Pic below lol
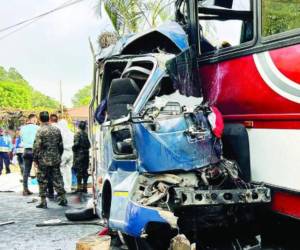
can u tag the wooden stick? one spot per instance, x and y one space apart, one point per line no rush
6 223
70 223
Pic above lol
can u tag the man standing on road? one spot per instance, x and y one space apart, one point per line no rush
19 150
5 149
27 134
80 149
67 157
47 152
50 189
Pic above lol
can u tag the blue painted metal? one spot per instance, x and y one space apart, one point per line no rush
137 217
126 215
110 162
121 181
175 33
172 148
171 30
167 149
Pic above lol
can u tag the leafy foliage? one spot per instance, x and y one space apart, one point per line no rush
14 95
123 14
132 15
83 96
15 92
280 16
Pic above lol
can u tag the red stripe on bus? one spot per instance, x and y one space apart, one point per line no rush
267 121
287 204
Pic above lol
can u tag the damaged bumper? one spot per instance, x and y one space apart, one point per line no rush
191 197
162 198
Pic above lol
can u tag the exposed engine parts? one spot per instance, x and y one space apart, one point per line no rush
212 185
186 197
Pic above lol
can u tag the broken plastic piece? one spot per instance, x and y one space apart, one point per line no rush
216 122
103 232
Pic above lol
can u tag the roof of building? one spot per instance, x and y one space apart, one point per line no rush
80 113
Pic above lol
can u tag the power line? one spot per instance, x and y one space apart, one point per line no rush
65 4
29 21
16 30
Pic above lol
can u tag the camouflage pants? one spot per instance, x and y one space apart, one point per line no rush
81 165
46 172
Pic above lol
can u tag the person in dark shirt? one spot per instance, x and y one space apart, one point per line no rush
80 149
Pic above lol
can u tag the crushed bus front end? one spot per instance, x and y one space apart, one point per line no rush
160 157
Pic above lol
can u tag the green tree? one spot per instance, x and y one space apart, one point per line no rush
130 15
40 100
82 97
123 14
14 95
15 92
280 16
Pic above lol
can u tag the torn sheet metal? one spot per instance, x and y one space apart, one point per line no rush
170 32
176 160
175 143
137 218
169 217
218 184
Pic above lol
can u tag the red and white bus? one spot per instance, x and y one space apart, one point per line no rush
248 57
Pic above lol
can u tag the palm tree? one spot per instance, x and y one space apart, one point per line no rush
133 15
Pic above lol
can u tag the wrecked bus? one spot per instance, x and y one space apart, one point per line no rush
157 149
252 75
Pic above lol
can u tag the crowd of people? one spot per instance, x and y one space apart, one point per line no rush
52 150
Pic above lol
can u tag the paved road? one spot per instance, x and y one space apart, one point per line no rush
24 235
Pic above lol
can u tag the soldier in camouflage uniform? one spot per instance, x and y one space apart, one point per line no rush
47 151
80 149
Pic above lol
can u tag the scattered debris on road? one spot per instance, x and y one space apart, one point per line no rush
92 242
6 223
58 222
180 242
33 200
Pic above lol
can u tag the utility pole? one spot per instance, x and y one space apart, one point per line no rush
60 98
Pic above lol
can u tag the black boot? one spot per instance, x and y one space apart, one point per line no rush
62 201
79 185
27 192
84 187
50 196
43 203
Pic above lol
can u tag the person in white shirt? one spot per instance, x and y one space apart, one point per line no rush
28 133
67 157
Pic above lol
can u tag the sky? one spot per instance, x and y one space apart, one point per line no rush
55 48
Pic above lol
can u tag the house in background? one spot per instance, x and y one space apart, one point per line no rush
78 114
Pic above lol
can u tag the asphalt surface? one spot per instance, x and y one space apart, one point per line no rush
24 235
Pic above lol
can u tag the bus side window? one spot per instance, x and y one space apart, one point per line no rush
279 16
222 27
